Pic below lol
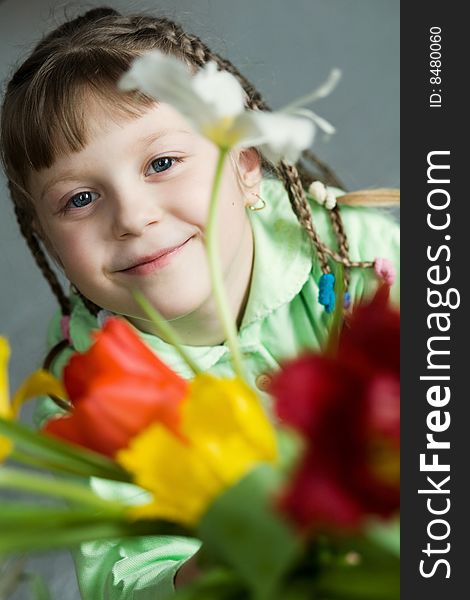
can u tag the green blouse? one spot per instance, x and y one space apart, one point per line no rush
282 318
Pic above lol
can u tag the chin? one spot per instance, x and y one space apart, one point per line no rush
176 307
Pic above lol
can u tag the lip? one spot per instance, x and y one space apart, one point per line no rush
149 264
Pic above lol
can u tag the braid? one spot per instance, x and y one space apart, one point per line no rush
190 45
338 228
41 260
91 306
199 53
326 175
290 177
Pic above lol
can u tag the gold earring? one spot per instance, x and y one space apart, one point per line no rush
254 207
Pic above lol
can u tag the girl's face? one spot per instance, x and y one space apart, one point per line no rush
140 187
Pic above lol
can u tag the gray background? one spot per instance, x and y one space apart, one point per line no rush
285 49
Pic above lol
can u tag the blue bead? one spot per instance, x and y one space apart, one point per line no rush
347 300
326 295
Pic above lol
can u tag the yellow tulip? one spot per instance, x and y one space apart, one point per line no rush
224 435
5 409
40 382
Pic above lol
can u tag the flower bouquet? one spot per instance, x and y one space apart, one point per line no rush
293 513
302 508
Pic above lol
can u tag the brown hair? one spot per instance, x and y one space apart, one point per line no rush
43 115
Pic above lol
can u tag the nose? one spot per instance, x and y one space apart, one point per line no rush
134 210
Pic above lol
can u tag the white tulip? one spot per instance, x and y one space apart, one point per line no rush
213 103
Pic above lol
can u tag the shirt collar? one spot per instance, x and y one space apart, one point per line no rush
282 264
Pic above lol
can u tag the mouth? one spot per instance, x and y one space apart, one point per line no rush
148 264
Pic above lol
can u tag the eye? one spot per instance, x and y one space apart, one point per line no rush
162 164
81 199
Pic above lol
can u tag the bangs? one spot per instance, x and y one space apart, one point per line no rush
51 110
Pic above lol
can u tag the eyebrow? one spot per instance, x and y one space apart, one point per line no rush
141 142
153 137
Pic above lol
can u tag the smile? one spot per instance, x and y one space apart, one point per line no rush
156 264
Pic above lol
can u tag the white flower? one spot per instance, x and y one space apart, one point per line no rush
283 136
213 103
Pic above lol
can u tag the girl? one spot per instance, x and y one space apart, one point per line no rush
107 182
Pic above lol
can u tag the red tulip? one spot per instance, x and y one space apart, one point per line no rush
347 408
117 388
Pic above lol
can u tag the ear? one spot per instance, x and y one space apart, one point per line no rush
248 166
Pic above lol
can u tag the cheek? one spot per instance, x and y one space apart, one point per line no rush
50 238
191 193
232 211
189 200
233 222
72 247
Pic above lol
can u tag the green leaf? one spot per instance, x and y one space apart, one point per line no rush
68 530
291 446
27 528
65 537
362 571
217 584
54 454
64 489
386 535
24 517
228 533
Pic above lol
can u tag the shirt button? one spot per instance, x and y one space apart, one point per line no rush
263 382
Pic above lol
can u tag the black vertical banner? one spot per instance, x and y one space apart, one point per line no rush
435 320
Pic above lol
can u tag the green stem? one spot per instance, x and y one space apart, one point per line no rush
66 538
65 490
59 455
31 461
164 329
336 322
212 247
23 458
